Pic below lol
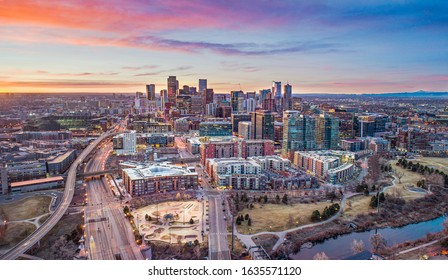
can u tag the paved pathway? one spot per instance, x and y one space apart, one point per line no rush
247 240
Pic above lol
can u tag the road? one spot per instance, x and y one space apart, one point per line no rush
217 237
33 238
182 148
108 233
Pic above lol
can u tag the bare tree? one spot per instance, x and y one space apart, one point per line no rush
374 168
370 182
197 251
377 243
349 204
290 220
178 196
435 180
320 256
399 175
357 246
396 193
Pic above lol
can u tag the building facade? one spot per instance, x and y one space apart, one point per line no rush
158 178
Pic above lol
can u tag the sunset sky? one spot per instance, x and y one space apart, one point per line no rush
317 46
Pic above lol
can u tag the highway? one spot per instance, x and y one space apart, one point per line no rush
108 233
33 238
217 237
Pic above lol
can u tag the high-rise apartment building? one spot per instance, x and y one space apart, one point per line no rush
237 118
287 97
244 130
262 125
237 101
207 97
327 132
298 133
125 143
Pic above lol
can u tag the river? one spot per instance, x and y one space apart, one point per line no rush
340 247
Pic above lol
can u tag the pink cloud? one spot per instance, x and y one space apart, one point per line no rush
123 16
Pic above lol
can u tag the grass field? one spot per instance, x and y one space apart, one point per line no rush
26 208
359 205
278 217
409 178
15 233
433 162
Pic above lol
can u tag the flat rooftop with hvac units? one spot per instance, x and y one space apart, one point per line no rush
143 179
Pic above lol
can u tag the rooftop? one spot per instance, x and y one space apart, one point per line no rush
36 181
156 170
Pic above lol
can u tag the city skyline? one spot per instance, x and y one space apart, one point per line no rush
318 46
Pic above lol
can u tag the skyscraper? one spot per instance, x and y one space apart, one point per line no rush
172 86
298 133
327 132
250 105
236 101
163 98
207 97
262 125
277 89
277 96
287 97
202 85
151 92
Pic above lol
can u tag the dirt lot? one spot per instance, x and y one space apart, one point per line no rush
15 233
359 204
26 208
278 217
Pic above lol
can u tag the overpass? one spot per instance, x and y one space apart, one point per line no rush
69 190
96 174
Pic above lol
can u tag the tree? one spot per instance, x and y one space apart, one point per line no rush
191 221
178 196
435 180
357 246
399 175
277 199
285 199
290 220
349 204
315 216
197 250
246 217
320 256
265 198
249 222
238 221
377 243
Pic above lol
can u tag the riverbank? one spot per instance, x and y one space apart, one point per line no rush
394 213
